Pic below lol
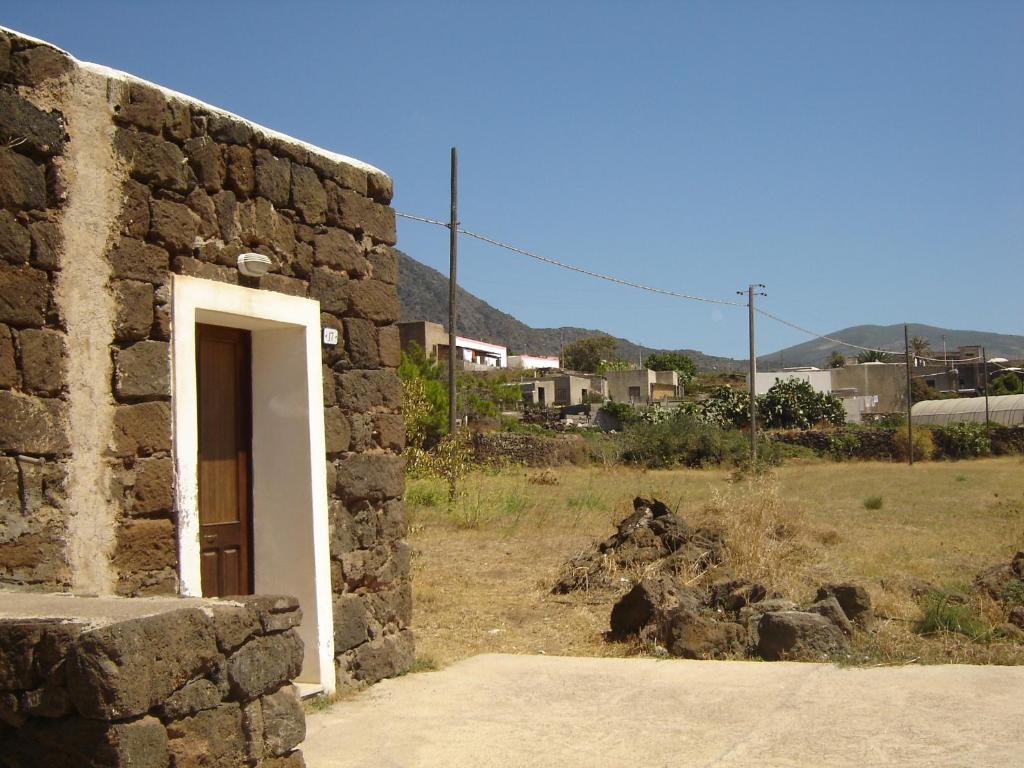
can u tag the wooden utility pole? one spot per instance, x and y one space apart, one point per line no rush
984 367
453 250
910 401
453 236
751 293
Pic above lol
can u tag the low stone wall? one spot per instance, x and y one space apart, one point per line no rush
1006 440
531 450
862 443
149 682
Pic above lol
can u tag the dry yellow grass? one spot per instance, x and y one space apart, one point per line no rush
482 570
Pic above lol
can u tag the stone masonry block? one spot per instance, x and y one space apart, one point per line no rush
134 259
143 370
213 737
383 264
133 301
22 184
361 391
43 354
207 163
284 724
389 431
145 545
308 196
385 657
390 346
372 300
240 173
41 133
15 241
201 204
31 425
337 431
351 623
134 209
229 130
152 160
329 288
142 106
123 670
262 664
379 187
24 295
154 486
35 65
9 366
339 173
338 250
142 428
178 119
173 226
374 476
47 244
361 343
360 215
273 178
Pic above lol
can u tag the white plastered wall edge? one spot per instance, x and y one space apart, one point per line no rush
291 545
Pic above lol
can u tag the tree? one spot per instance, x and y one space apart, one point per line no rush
673 361
837 360
920 391
1006 384
874 356
424 398
587 354
792 403
920 346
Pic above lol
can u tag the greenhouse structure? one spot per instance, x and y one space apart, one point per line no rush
1007 410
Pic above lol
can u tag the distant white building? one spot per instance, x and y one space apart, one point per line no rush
434 340
532 361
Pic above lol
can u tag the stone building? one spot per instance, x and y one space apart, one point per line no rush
168 424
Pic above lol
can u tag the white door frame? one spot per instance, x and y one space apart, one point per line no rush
291 544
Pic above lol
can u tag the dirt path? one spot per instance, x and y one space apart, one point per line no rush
496 710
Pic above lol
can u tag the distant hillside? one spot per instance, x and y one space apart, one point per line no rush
817 351
423 295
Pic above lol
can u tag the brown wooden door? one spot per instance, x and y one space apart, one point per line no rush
225 444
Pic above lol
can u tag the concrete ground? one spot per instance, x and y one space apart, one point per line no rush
498 710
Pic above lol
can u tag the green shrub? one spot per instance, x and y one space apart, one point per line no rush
792 403
939 615
963 440
873 502
621 412
843 445
924 444
682 439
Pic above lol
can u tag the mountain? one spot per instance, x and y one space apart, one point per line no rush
890 337
423 295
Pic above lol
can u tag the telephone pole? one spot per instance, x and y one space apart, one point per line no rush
453 246
910 401
751 293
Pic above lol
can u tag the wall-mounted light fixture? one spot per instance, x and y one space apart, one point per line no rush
254 264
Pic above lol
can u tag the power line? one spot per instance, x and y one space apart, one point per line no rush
573 268
666 292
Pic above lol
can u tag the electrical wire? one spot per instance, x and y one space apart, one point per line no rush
571 267
666 292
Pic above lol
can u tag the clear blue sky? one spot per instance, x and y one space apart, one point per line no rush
865 160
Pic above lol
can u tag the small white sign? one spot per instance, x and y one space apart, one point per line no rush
331 336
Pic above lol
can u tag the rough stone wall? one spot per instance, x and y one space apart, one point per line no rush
529 450
194 187
187 683
34 446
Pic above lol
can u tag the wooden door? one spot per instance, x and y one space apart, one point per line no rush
225 444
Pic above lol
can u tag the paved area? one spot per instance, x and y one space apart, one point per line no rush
554 711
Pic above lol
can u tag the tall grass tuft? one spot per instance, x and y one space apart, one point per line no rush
941 616
766 540
873 502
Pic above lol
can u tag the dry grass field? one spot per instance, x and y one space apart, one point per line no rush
483 568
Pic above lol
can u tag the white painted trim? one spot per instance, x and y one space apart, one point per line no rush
284 502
